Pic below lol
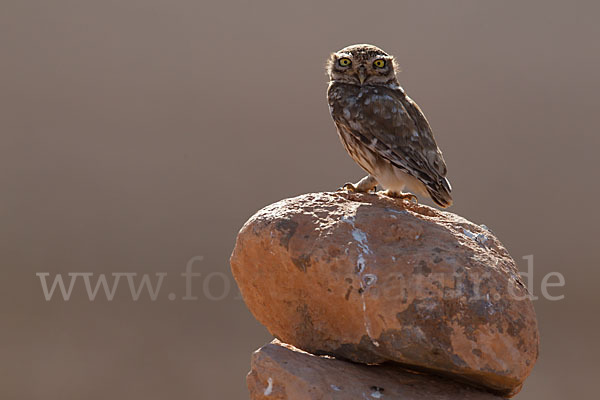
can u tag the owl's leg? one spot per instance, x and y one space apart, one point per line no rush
400 195
365 185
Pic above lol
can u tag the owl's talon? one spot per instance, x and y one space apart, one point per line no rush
365 185
349 187
403 196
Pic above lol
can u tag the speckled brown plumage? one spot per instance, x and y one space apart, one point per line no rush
382 129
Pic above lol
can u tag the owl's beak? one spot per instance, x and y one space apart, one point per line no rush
362 74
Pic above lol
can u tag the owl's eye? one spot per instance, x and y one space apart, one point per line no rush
379 63
344 62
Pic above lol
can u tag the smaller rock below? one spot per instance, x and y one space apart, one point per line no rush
281 371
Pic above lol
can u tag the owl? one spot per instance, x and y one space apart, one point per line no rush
382 129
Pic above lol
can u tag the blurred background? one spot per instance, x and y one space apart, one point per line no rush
136 135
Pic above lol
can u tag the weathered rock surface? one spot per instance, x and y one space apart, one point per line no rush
280 371
373 279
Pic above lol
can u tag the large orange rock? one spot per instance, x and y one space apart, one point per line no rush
373 279
282 372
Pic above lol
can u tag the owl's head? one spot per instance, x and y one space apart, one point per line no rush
362 64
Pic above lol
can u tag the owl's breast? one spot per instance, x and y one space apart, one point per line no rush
346 99
367 107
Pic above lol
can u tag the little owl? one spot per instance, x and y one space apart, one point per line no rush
382 129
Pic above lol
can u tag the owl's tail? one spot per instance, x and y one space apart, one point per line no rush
440 193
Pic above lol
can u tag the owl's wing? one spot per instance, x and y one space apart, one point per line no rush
394 127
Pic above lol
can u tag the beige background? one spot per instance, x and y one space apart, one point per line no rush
138 134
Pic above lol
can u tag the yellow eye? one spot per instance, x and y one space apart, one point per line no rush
344 62
379 63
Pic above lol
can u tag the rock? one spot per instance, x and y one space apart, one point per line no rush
280 371
373 279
